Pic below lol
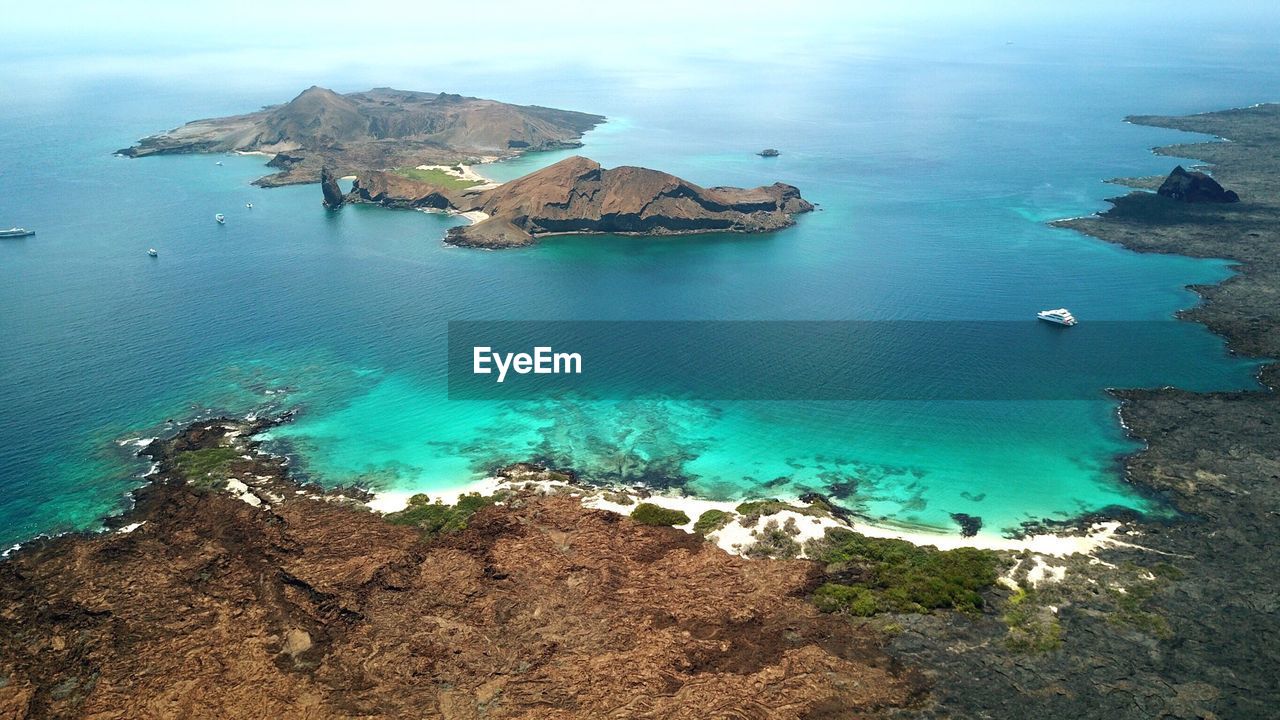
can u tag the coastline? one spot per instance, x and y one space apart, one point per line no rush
1174 627
735 538
1170 630
312 595
1085 536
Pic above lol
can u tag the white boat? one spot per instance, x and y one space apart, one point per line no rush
218 163
152 252
220 218
1061 316
16 232
249 205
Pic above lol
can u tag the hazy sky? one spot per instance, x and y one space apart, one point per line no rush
562 28
267 43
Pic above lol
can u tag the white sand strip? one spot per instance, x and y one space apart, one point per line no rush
462 172
735 538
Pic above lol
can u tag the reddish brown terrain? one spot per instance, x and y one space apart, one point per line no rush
577 195
379 128
306 606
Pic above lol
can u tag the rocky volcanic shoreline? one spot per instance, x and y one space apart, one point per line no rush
229 591
1185 623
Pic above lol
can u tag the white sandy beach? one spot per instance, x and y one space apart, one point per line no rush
735 537
462 172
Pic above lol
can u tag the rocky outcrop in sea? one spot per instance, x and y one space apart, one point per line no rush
329 185
1195 187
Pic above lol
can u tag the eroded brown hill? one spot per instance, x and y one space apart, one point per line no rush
379 128
577 195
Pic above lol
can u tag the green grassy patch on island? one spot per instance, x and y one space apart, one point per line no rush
752 510
1125 594
205 466
1132 605
876 575
434 518
766 506
435 176
650 514
711 521
1033 625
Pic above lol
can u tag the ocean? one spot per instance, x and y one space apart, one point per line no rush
936 166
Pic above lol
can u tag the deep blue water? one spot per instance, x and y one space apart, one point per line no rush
936 171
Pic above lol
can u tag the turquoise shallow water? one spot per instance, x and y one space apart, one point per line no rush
935 176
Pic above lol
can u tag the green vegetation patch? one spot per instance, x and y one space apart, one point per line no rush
434 518
888 575
752 510
1167 571
650 514
775 541
833 597
766 506
1132 608
203 467
1125 595
711 521
1033 626
435 176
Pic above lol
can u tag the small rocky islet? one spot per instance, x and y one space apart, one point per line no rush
578 196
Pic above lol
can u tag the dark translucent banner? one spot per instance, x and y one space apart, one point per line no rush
835 360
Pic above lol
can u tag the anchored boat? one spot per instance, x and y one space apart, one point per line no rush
1061 316
222 219
16 232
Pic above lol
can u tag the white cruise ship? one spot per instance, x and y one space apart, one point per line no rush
1061 316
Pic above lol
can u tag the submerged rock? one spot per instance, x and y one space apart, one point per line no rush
969 524
1195 187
